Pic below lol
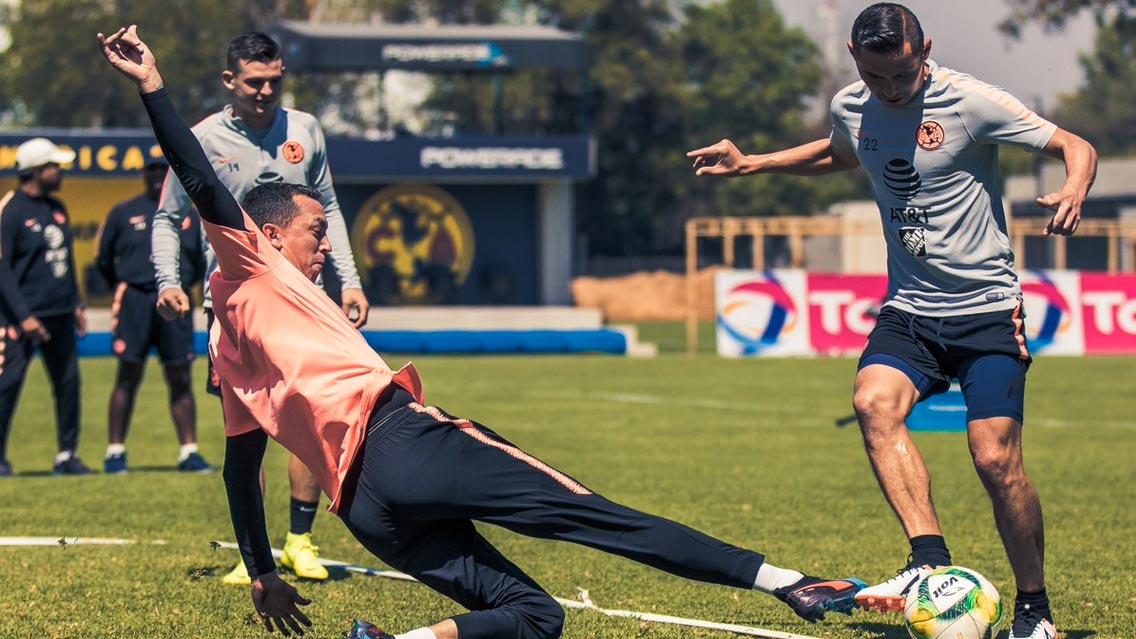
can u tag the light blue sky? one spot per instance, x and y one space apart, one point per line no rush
965 38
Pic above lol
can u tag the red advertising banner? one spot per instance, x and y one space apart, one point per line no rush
840 311
1108 307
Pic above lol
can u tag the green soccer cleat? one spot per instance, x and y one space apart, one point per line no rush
238 576
302 557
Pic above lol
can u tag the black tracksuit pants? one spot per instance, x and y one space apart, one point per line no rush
425 476
61 358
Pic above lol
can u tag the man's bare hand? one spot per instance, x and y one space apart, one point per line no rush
127 53
172 304
275 601
722 158
32 328
1066 205
80 322
354 300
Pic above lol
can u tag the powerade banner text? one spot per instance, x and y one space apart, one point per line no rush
792 312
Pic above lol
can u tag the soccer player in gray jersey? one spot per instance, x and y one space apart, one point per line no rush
927 137
250 142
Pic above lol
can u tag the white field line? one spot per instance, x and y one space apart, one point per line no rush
583 603
658 400
70 541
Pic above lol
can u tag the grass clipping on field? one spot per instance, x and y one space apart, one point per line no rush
647 296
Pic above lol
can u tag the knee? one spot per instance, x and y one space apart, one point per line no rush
543 616
996 466
879 413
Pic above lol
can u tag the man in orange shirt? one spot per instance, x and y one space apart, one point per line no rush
294 368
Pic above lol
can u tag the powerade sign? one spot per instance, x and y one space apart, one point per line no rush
523 159
481 54
478 157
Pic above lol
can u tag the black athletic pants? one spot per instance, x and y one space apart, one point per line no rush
424 476
61 358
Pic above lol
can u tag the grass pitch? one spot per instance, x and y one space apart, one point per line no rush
744 450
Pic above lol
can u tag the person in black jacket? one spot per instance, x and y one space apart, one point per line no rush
40 307
123 259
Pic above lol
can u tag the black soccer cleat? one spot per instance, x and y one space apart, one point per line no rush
812 597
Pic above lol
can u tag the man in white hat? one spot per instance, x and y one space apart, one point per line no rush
40 308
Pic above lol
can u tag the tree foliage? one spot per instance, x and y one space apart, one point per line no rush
666 76
1102 109
1054 13
54 73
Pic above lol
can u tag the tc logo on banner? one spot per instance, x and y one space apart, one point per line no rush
761 313
1108 304
840 306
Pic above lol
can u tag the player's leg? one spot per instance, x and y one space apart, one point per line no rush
130 329
174 340
896 370
15 353
119 411
61 358
454 560
484 477
300 554
994 386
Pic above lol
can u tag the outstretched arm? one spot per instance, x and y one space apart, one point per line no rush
815 158
130 56
1080 171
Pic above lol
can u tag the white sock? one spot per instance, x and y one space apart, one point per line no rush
186 451
770 578
63 456
421 633
116 449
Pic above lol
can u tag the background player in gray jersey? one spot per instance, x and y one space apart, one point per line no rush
927 137
249 142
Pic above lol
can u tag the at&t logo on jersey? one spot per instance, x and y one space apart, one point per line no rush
759 313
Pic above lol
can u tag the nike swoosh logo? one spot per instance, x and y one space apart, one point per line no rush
224 161
911 583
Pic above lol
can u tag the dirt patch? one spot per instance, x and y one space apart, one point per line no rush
647 296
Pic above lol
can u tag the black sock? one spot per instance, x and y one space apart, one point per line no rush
1037 600
930 550
303 514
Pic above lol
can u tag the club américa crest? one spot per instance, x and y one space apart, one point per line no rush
414 244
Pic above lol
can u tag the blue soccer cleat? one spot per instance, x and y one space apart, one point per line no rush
115 464
363 630
812 597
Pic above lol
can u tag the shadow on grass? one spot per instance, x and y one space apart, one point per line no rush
882 630
898 631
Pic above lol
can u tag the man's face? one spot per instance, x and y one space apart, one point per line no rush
153 177
304 240
894 78
255 89
49 177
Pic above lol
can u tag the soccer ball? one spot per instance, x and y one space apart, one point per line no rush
953 603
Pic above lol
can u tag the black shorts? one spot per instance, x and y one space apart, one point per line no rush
986 352
136 327
212 380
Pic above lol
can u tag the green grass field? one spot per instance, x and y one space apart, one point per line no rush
744 450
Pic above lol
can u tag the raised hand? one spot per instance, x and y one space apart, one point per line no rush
128 54
722 158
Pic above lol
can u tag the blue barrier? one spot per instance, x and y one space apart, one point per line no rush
600 340
945 412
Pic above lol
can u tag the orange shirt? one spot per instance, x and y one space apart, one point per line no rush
288 359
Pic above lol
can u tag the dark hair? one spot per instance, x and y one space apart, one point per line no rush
273 203
27 175
252 47
884 27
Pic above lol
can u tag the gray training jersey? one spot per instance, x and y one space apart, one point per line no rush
291 150
933 165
